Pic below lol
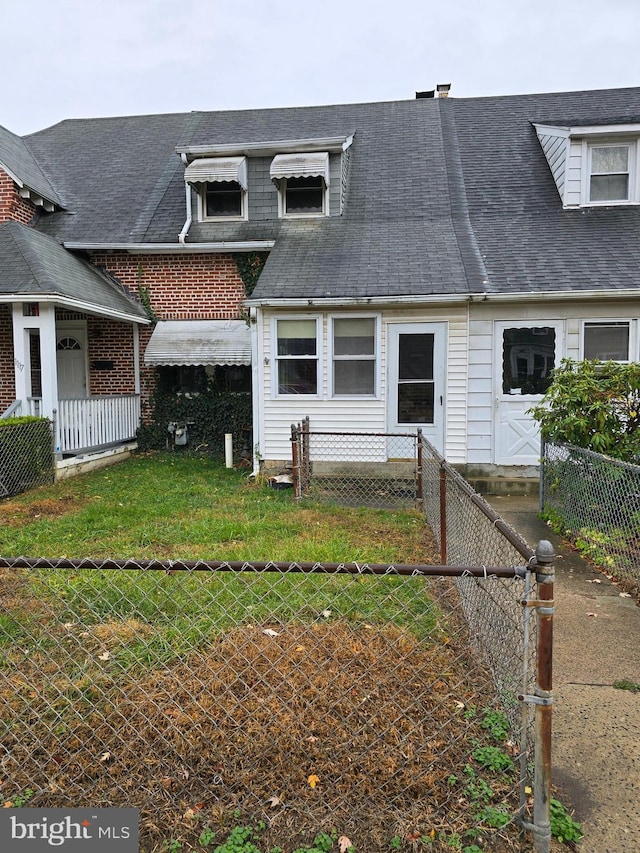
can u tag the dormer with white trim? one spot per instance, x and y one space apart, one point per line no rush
593 165
265 181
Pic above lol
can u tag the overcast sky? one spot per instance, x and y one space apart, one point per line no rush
83 58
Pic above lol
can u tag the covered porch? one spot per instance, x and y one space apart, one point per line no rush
87 424
73 333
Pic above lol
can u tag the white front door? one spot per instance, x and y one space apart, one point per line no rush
525 354
71 356
416 354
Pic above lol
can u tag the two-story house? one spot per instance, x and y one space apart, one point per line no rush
429 262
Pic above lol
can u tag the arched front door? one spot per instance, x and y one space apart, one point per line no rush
71 356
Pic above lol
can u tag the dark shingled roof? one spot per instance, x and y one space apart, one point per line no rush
444 196
527 241
34 265
16 157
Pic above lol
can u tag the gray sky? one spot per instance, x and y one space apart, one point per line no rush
83 58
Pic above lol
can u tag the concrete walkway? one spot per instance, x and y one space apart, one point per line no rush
596 727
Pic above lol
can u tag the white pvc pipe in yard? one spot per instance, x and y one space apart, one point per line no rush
228 449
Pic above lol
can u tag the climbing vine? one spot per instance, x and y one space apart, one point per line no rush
250 265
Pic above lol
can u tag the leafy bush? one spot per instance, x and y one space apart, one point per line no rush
595 405
26 454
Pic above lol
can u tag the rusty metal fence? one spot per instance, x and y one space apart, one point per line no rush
501 614
596 502
377 469
384 705
26 454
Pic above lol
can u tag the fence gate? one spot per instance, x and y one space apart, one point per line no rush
381 469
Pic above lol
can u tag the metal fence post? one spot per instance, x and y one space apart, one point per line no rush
443 513
543 697
419 487
295 460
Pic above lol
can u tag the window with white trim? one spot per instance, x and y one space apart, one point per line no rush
223 200
606 340
303 183
221 186
610 172
297 356
354 356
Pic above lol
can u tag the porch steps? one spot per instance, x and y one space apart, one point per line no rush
504 485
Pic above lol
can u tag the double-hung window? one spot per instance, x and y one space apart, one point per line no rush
354 356
610 172
606 340
223 199
303 183
297 356
221 185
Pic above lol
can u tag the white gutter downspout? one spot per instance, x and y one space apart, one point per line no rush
182 236
257 385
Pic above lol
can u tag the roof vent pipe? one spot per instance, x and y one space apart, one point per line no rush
443 89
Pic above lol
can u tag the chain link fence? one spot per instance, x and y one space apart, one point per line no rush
596 502
356 468
499 612
386 705
26 455
501 629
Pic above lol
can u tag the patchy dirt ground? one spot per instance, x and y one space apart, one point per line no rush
306 727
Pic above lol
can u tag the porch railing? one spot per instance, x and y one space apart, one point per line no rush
97 421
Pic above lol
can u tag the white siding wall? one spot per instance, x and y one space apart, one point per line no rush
484 374
555 148
353 414
574 178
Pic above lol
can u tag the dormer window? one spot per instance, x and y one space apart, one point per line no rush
609 173
593 165
221 185
222 199
303 182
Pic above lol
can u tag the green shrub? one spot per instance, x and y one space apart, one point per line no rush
594 405
26 454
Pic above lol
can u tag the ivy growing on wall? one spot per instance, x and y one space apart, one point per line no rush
250 265
208 414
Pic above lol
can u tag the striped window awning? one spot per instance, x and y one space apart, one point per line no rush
310 165
209 170
199 342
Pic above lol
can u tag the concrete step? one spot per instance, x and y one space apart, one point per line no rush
505 485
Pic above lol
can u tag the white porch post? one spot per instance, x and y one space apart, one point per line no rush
21 353
45 323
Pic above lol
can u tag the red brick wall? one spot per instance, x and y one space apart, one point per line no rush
189 287
11 205
111 341
186 287
7 378
108 340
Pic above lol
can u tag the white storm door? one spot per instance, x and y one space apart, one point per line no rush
71 355
525 355
416 354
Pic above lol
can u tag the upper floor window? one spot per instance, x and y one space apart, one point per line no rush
606 341
221 184
303 196
303 183
610 173
223 199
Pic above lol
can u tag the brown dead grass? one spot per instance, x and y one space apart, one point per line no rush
375 715
17 513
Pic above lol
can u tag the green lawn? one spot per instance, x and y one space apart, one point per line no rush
167 506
